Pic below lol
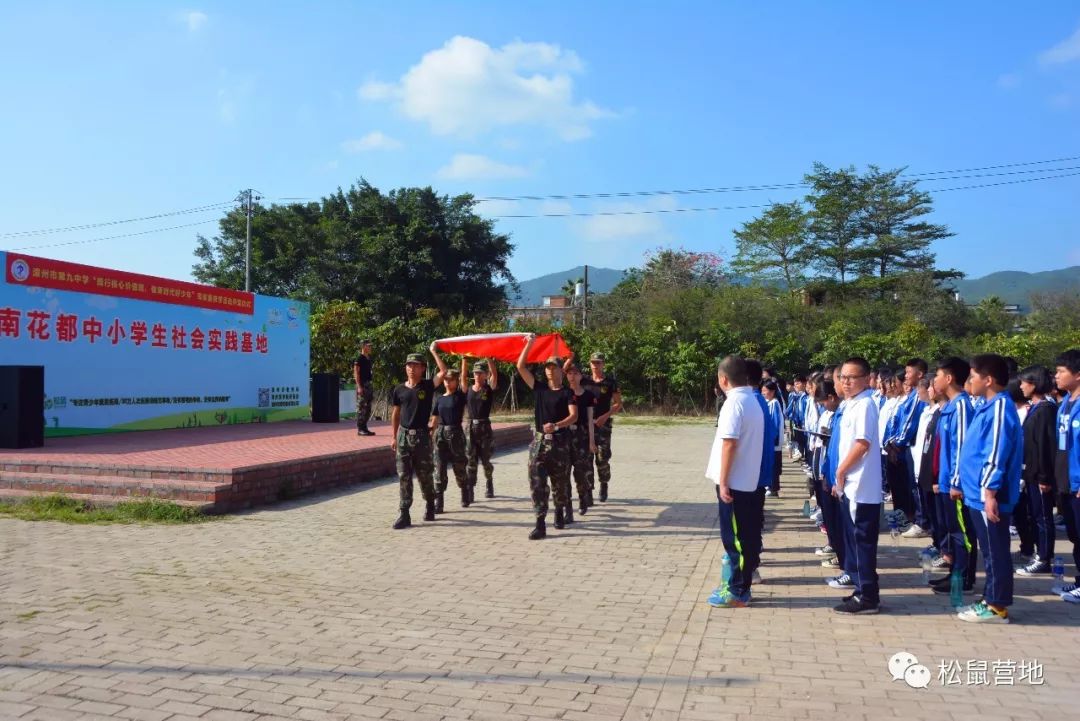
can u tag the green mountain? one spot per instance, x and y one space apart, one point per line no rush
1014 286
601 280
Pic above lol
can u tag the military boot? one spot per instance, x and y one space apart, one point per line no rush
439 502
603 491
560 520
569 513
403 520
490 489
465 496
429 510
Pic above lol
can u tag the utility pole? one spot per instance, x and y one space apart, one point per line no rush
248 198
585 301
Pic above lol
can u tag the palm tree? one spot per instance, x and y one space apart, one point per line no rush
569 288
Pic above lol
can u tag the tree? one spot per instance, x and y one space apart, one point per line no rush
897 241
569 288
775 245
668 268
836 203
393 253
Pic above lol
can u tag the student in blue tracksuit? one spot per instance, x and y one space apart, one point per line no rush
827 396
771 393
1067 461
960 547
905 427
830 514
991 462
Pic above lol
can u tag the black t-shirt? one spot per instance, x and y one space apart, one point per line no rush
584 402
415 404
480 402
551 406
604 391
450 408
365 367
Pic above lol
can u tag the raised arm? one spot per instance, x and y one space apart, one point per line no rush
568 362
465 375
440 362
522 366
493 373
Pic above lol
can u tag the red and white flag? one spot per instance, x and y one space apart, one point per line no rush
505 346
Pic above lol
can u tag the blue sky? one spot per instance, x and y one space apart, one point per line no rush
118 110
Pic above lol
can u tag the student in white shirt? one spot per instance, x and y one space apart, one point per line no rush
858 486
734 466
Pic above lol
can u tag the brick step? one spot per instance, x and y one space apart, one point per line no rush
118 487
18 494
139 473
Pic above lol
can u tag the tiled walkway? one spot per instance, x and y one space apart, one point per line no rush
318 610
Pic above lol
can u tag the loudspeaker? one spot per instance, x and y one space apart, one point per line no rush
22 406
325 401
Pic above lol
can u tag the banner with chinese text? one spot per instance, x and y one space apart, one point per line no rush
124 351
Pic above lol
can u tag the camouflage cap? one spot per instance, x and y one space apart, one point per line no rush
573 368
553 361
597 357
452 375
479 368
416 358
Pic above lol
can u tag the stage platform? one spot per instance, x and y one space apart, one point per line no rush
221 469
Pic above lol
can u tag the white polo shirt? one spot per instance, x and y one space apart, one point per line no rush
860 423
741 418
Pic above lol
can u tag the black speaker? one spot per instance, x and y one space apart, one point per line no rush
325 401
22 406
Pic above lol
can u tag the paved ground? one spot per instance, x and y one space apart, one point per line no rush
318 610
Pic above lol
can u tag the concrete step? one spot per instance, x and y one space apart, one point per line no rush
18 494
117 487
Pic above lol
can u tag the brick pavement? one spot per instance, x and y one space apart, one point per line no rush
316 609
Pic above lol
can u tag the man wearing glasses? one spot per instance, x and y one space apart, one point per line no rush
858 486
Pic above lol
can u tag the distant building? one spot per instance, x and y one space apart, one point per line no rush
554 309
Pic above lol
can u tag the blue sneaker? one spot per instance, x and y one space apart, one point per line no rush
722 598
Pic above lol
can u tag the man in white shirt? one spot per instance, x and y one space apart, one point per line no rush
858 486
734 466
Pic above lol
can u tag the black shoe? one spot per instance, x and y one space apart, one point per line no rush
603 491
938 581
472 493
560 521
583 505
364 432
490 489
403 520
540 531
569 513
439 502
464 496
856 606
429 510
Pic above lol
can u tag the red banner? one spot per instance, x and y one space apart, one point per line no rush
506 346
57 274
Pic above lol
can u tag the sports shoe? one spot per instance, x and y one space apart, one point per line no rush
895 513
888 498
1033 569
981 612
723 598
825 550
930 551
916 531
833 562
768 492
816 516
755 577
841 581
1064 587
1072 596
856 606
939 563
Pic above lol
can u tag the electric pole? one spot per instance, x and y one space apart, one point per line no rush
585 301
248 198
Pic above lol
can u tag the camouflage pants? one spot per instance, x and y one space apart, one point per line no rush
603 452
364 395
549 458
414 456
449 451
581 460
479 447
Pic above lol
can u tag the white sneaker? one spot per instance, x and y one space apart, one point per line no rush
916 531
831 562
1064 587
841 581
825 550
1034 568
1072 596
768 492
940 562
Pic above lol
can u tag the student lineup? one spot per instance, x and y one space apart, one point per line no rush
968 452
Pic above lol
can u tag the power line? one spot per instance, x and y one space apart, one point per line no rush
116 237
87 226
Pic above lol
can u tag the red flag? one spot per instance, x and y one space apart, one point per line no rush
505 346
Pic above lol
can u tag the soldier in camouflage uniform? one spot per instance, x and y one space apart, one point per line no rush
446 417
412 401
582 440
479 440
608 403
365 391
549 454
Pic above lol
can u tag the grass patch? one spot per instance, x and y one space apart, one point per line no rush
69 510
27 616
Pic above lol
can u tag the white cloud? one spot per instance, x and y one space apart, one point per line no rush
195 20
628 220
1064 52
375 140
466 166
1008 81
467 88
